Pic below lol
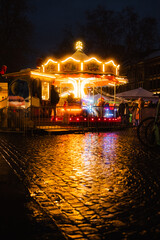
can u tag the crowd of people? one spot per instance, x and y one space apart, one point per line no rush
131 111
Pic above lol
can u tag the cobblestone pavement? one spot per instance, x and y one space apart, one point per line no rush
93 186
17 220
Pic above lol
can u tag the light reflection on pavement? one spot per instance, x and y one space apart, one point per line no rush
95 186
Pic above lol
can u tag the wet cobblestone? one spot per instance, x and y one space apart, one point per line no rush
93 186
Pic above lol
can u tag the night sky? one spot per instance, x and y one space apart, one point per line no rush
49 17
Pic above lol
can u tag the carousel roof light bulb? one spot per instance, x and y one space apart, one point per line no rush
79 45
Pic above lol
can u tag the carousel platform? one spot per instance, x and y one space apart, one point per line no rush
60 130
57 130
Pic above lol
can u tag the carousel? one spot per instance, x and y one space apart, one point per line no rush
77 74
73 75
80 71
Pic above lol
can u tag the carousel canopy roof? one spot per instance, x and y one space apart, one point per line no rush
78 70
80 55
80 62
80 66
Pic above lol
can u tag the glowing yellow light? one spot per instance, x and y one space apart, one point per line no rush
75 109
103 68
74 82
64 94
43 74
81 66
111 61
117 68
111 84
58 67
79 45
50 60
45 90
72 109
92 58
122 80
83 83
70 58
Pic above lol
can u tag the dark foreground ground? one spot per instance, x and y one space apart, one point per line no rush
84 186
16 211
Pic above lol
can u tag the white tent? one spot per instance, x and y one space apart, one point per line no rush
137 93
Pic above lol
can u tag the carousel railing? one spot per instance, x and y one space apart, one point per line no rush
21 119
24 119
44 116
14 119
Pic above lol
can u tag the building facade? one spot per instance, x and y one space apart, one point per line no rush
145 74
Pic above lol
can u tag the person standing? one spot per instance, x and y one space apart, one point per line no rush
54 101
121 110
126 113
140 107
135 113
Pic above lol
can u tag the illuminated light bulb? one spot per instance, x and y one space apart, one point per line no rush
92 119
84 81
77 119
79 45
103 68
70 58
58 67
85 119
111 61
81 66
75 85
42 74
111 84
92 58
50 60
